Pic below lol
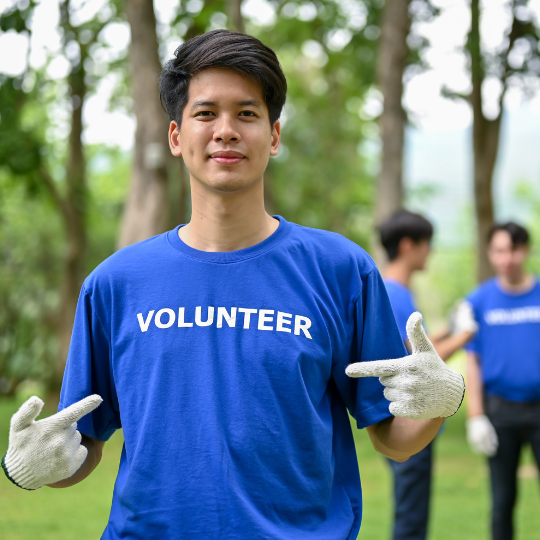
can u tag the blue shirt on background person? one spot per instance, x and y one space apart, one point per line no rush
403 304
508 341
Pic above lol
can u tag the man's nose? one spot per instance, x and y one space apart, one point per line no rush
226 130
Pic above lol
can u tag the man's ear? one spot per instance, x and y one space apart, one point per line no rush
276 138
174 139
405 245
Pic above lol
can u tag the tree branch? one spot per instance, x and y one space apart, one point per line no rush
50 184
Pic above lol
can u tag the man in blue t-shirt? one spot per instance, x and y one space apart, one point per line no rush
503 369
406 238
230 348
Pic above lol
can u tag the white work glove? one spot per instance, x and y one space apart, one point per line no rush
420 385
482 436
49 450
462 318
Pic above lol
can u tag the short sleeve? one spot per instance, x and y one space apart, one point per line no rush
88 372
474 344
375 336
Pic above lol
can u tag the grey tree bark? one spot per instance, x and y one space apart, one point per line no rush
235 15
71 204
146 209
393 51
486 132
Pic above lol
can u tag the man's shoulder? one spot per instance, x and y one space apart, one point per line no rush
331 248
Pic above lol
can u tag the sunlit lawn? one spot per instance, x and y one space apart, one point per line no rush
460 506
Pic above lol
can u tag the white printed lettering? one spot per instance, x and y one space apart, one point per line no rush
265 315
209 320
170 322
145 324
302 323
181 317
281 320
247 315
223 314
522 315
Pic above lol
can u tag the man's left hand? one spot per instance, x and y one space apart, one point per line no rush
419 386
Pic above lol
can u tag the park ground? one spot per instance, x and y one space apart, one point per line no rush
460 503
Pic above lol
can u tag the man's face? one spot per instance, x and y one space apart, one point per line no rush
507 260
225 136
415 253
419 253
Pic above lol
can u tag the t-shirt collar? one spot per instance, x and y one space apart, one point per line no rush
224 257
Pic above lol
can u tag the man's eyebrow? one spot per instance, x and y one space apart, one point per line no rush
250 103
203 103
245 103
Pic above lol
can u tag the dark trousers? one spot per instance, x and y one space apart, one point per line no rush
412 490
516 424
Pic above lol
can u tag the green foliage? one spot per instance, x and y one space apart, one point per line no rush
323 176
19 145
320 179
31 249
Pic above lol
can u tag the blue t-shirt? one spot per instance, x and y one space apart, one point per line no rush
508 341
403 304
226 372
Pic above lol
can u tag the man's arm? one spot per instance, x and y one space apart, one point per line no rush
400 438
422 391
475 388
446 347
481 434
449 344
95 450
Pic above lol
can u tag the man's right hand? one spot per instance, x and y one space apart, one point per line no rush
49 450
462 318
482 436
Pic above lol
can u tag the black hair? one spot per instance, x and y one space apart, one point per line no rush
222 48
403 224
518 234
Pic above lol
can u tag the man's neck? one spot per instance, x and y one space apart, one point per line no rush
398 270
519 283
224 221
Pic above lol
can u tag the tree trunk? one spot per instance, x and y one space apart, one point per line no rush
74 221
485 146
235 14
391 63
146 209
72 207
178 193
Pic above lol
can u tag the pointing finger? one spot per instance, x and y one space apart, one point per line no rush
377 368
76 411
28 412
417 336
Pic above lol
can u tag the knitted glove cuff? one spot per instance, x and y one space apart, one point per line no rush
15 466
462 385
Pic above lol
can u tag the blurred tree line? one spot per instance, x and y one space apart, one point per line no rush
65 205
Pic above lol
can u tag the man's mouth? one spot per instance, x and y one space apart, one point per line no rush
227 157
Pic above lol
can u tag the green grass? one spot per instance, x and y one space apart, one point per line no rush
460 504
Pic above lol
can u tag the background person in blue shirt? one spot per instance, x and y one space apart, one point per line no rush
503 369
229 349
406 238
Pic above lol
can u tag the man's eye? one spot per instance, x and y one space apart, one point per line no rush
204 113
248 113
